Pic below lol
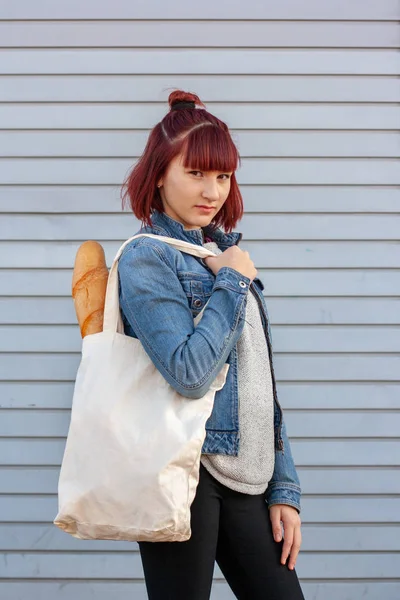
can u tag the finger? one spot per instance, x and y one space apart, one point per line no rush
287 543
276 525
295 547
277 531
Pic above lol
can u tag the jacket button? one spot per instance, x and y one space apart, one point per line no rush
242 284
197 302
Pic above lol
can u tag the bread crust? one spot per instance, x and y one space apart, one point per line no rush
89 284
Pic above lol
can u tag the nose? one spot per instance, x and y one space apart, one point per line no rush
210 189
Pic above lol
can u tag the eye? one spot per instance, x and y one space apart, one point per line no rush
195 173
225 176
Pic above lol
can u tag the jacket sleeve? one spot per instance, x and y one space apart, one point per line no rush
284 485
155 304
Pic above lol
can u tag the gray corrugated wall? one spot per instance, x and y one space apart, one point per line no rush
311 93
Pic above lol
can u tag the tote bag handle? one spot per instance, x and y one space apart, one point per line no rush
112 317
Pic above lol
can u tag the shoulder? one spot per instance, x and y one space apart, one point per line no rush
147 248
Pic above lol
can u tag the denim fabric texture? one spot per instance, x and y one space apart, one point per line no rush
188 358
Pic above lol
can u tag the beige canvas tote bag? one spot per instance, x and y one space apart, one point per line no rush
131 463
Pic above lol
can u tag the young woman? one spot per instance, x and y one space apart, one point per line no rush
184 186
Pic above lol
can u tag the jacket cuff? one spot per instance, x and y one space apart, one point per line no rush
231 279
283 494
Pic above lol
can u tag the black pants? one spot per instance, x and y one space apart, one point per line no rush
235 530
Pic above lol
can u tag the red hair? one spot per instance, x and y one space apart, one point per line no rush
206 144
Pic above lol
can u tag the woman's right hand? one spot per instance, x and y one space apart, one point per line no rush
235 258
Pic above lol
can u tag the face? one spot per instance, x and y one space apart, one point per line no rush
185 190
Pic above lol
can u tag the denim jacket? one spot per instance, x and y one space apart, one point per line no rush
161 290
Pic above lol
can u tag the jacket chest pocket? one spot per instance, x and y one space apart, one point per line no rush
198 291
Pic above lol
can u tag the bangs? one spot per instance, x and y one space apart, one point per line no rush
210 148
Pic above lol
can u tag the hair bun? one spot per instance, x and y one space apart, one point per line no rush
179 96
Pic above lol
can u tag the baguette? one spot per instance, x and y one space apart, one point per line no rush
89 284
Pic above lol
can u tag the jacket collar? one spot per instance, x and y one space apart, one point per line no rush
166 225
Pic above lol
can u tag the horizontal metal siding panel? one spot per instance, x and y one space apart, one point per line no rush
301 424
72 590
289 367
292 339
282 311
260 226
113 144
266 255
344 481
210 88
277 283
232 9
271 171
310 453
318 509
265 199
44 537
238 116
201 33
48 590
379 395
201 61
287 282
128 565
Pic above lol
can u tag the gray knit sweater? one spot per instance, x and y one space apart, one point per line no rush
251 470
